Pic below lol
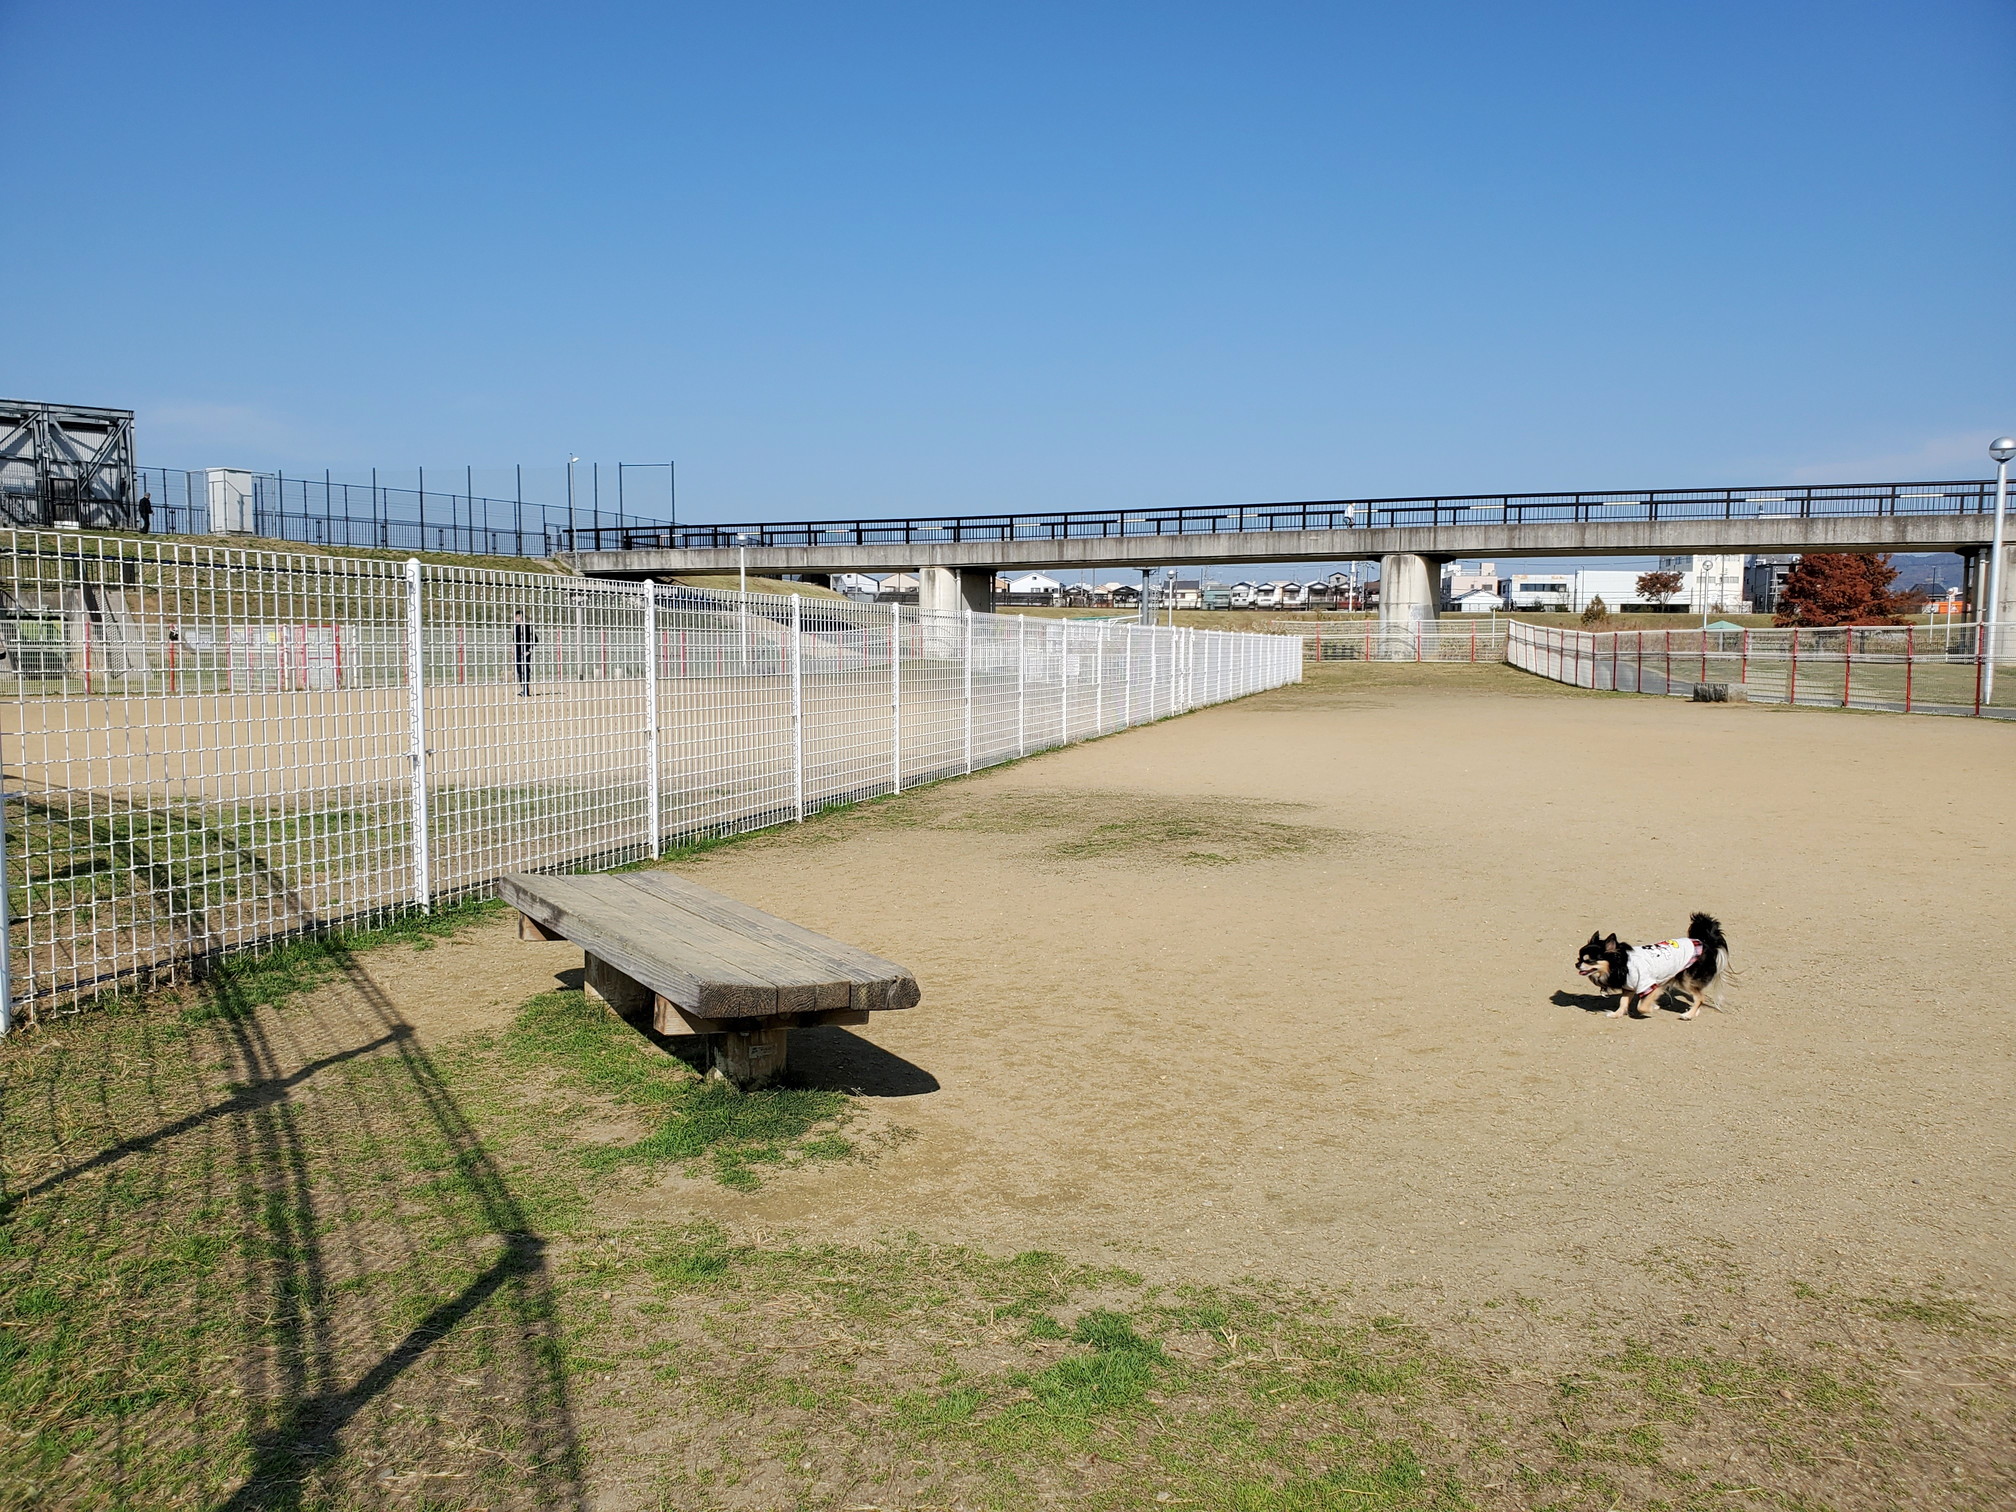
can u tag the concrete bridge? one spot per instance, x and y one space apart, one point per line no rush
956 558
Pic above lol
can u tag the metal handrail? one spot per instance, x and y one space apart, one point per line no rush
1804 501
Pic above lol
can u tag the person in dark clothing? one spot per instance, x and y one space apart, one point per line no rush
523 639
146 512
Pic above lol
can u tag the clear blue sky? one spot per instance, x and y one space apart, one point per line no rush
920 257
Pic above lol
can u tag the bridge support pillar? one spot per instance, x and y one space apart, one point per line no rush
1975 592
1410 588
945 590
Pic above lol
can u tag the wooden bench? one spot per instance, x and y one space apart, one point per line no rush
700 963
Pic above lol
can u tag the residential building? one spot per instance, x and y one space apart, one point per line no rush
1460 582
1764 579
1030 588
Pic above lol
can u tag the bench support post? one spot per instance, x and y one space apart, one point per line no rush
750 1060
629 997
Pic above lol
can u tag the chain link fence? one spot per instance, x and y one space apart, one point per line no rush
1906 669
208 748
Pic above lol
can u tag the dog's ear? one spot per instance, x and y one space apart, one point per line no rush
1595 938
1612 940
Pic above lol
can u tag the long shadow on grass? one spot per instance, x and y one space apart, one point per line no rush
316 1286
316 1403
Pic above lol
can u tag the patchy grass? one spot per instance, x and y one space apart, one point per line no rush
692 1121
259 1248
1107 827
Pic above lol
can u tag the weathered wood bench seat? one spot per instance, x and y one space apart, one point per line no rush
701 963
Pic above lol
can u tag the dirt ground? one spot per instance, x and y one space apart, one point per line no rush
1284 989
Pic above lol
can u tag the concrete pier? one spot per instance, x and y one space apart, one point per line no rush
945 590
1410 587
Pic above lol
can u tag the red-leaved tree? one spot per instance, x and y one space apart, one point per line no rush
1841 588
1658 586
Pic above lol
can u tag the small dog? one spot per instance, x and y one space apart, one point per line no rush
1639 974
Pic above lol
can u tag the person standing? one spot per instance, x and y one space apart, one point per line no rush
523 639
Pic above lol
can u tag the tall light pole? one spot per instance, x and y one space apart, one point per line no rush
2002 448
571 460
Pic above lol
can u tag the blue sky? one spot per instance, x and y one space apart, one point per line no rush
907 258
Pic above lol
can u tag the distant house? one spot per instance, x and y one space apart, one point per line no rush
1031 588
856 585
1459 583
1241 595
1479 601
899 587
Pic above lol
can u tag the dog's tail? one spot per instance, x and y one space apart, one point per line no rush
1714 950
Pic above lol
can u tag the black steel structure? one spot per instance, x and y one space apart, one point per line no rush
1604 507
68 465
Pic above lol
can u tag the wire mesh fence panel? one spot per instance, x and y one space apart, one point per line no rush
934 698
1906 669
209 748
205 748
533 712
724 699
846 701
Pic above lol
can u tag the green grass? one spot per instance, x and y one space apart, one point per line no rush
691 1120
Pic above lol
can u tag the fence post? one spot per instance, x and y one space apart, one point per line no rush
1910 656
1847 664
1099 682
1021 681
1063 681
797 713
416 735
966 677
7 918
651 717
1980 660
895 698
1792 676
1744 674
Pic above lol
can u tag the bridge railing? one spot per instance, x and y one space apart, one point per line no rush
1806 501
1906 669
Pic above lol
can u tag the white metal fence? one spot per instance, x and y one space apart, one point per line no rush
207 748
1907 669
1398 640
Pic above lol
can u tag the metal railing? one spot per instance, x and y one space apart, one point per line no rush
1601 507
207 748
323 512
1905 669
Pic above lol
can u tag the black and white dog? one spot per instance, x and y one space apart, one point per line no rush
1639 974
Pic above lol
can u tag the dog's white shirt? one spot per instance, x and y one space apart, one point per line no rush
1646 966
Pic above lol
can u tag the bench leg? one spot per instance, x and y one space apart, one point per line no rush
628 996
530 928
750 1060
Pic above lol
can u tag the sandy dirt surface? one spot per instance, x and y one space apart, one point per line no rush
1284 989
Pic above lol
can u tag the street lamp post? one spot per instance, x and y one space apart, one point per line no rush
2002 448
571 460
